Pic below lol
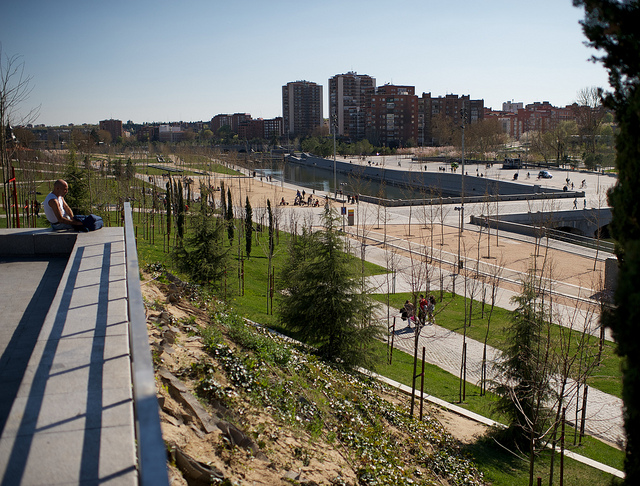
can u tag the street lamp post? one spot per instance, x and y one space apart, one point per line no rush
464 118
460 210
335 185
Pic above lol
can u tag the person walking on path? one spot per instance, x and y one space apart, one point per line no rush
56 209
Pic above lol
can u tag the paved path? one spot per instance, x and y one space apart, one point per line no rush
443 348
604 412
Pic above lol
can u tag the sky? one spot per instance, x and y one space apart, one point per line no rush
188 60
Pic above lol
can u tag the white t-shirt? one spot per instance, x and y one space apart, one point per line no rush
48 210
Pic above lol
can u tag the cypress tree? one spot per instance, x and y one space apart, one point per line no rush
223 201
229 215
169 198
248 229
179 211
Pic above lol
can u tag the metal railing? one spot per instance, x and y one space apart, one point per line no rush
151 450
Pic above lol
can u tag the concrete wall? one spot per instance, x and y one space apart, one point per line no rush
447 182
585 221
29 241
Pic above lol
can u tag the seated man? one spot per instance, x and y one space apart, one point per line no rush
56 209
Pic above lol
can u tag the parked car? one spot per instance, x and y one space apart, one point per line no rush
544 174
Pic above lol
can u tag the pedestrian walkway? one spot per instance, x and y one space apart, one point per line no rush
582 316
443 348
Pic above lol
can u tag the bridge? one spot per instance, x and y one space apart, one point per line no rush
580 222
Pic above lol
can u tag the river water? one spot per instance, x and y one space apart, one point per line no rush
321 181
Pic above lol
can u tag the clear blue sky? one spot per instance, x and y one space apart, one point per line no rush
189 60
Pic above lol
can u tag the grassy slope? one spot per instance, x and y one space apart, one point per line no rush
253 305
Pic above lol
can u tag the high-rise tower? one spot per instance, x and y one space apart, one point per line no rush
301 108
347 104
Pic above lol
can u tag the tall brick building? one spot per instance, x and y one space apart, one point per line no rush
301 108
347 100
114 127
452 107
392 113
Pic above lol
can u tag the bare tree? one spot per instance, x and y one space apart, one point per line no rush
589 113
15 88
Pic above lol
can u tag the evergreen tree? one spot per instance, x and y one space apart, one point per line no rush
129 170
168 204
526 369
223 201
323 300
271 230
203 255
248 230
179 211
229 215
78 195
612 27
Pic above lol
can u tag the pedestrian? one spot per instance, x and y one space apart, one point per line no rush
410 311
431 307
422 312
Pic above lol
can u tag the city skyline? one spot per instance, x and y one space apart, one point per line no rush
165 62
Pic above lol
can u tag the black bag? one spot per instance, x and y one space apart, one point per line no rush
90 222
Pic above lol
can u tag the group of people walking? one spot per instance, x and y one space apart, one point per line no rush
426 308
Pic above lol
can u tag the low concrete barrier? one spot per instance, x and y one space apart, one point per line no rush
151 450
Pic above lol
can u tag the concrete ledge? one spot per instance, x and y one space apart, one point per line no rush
29 241
72 419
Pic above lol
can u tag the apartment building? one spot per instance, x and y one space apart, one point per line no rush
232 121
535 117
114 127
169 133
347 99
273 127
301 108
454 108
391 115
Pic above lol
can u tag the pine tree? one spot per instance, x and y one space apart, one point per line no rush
77 178
203 255
323 301
526 370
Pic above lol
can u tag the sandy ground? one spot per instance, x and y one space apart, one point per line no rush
494 249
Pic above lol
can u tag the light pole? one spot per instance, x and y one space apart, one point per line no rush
335 185
460 210
464 118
